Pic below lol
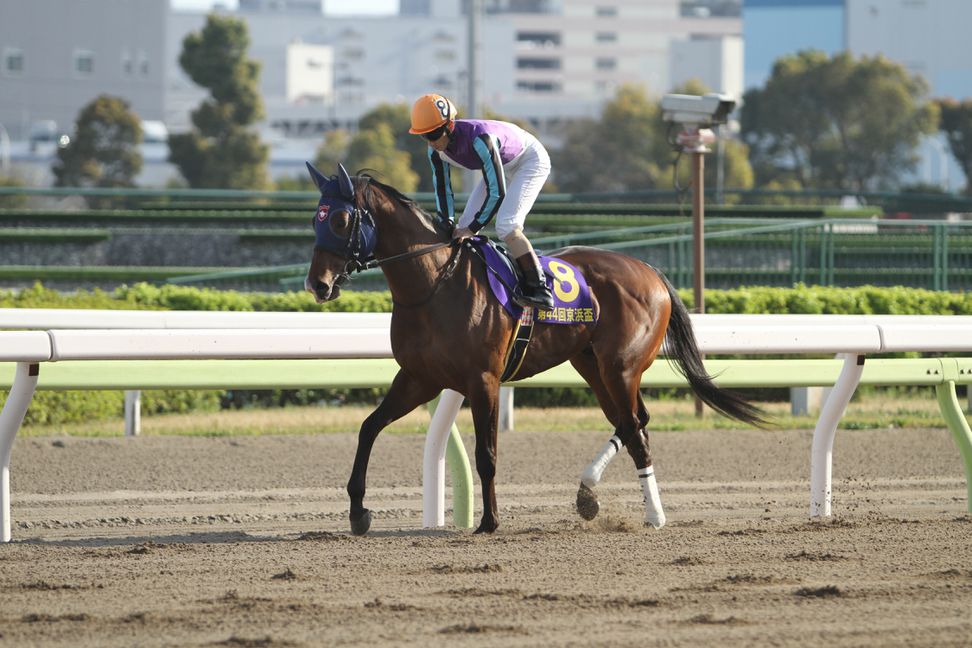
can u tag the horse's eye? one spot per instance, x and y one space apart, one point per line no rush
340 223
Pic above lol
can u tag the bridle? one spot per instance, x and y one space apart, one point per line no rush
358 247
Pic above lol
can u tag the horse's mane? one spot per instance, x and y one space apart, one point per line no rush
388 190
391 192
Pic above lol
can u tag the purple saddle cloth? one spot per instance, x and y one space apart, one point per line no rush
572 297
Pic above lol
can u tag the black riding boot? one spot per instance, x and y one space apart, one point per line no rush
533 290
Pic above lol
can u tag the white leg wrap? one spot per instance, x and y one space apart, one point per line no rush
592 475
654 515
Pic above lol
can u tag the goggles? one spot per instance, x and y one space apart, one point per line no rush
433 135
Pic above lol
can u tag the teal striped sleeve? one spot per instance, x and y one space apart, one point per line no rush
442 184
486 149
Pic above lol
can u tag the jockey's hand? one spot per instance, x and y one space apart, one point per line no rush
461 234
444 222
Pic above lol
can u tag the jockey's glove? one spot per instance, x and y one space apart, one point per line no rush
462 233
444 223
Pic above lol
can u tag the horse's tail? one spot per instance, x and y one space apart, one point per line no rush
683 349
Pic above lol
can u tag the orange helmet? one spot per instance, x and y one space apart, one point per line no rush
429 112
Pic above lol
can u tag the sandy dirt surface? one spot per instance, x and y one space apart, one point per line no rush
244 542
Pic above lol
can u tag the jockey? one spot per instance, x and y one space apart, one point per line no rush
514 166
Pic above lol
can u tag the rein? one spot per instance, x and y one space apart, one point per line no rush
444 274
374 263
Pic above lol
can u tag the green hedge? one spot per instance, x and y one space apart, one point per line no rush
143 296
60 407
65 407
800 299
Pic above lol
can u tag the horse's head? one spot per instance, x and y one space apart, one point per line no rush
345 235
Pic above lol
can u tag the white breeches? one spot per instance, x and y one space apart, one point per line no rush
525 177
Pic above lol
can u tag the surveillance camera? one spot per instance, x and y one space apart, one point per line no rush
707 110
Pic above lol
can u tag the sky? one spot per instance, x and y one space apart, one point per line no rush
332 7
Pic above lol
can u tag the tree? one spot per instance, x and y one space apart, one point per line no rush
104 150
332 151
622 151
630 148
956 123
374 149
221 151
836 122
398 119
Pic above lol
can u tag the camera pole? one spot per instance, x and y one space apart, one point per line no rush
698 231
693 140
695 114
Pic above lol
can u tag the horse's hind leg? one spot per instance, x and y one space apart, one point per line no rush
654 513
587 503
404 395
623 385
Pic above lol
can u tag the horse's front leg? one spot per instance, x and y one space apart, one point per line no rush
404 395
484 402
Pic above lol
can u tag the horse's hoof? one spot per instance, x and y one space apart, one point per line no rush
486 528
655 521
587 504
361 524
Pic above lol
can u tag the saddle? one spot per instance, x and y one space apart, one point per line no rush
572 297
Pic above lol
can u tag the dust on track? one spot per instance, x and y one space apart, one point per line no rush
243 542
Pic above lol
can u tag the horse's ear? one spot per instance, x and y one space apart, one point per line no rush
319 178
344 181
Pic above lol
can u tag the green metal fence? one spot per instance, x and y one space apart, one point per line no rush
923 254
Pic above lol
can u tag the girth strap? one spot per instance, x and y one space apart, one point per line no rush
518 345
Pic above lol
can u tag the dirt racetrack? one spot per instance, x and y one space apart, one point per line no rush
184 541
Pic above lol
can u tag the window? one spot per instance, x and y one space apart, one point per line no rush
606 12
83 63
605 63
445 55
143 63
442 81
538 86
349 81
128 65
536 63
538 39
606 37
605 88
13 61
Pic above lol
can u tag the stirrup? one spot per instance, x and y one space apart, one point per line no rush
532 301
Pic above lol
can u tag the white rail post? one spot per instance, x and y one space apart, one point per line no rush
21 393
506 409
133 412
822 452
433 473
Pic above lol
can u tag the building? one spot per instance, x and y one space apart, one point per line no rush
58 55
927 37
544 61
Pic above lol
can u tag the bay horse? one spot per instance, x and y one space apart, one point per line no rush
449 332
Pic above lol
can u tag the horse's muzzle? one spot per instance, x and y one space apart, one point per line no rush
322 292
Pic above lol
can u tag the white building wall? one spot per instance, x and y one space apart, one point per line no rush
606 44
124 39
928 37
310 73
376 59
716 62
